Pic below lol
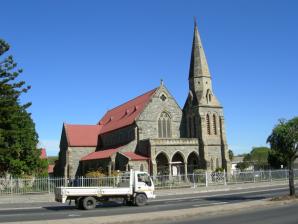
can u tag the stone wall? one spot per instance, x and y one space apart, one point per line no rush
148 120
60 166
118 137
75 155
139 165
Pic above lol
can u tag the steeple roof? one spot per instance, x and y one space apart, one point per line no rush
198 63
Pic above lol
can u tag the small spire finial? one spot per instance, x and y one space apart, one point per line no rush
161 82
195 20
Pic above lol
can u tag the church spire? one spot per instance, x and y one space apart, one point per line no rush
198 63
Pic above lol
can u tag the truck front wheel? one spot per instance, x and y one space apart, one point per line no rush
89 203
140 200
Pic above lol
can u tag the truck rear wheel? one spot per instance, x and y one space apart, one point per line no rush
89 203
140 200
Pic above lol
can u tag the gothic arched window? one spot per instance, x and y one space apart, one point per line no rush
208 124
208 96
214 125
164 126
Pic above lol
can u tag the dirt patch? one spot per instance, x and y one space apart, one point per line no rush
285 198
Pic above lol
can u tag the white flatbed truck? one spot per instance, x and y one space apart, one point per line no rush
134 187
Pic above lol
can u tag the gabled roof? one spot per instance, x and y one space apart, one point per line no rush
121 116
126 113
133 156
43 153
100 154
82 135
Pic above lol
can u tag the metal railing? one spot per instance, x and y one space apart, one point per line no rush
18 186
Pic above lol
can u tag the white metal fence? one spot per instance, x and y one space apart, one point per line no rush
13 186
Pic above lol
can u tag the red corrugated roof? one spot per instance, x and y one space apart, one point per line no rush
121 116
100 154
82 135
51 168
43 154
126 113
134 156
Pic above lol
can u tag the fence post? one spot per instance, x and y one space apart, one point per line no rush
225 179
10 183
193 179
270 176
206 178
49 190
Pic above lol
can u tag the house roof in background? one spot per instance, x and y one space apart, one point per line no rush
237 159
43 153
51 168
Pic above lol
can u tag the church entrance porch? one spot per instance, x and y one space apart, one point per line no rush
171 156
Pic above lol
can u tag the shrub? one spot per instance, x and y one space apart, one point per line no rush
219 170
95 173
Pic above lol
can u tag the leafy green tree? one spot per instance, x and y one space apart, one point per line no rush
284 140
18 138
259 157
277 160
242 165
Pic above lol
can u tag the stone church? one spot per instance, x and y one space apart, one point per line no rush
151 132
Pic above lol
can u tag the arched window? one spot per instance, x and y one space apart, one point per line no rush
208 96
208 124
164 126
214 125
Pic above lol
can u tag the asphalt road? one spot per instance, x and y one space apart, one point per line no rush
51 211
286 214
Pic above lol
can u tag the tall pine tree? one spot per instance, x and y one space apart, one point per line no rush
18 138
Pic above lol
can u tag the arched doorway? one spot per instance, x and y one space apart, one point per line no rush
162 164
177 164
192 162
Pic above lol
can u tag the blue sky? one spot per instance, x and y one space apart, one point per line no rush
85 57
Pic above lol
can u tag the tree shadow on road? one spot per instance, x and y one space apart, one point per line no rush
234 198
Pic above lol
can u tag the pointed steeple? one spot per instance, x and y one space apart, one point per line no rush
198 63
